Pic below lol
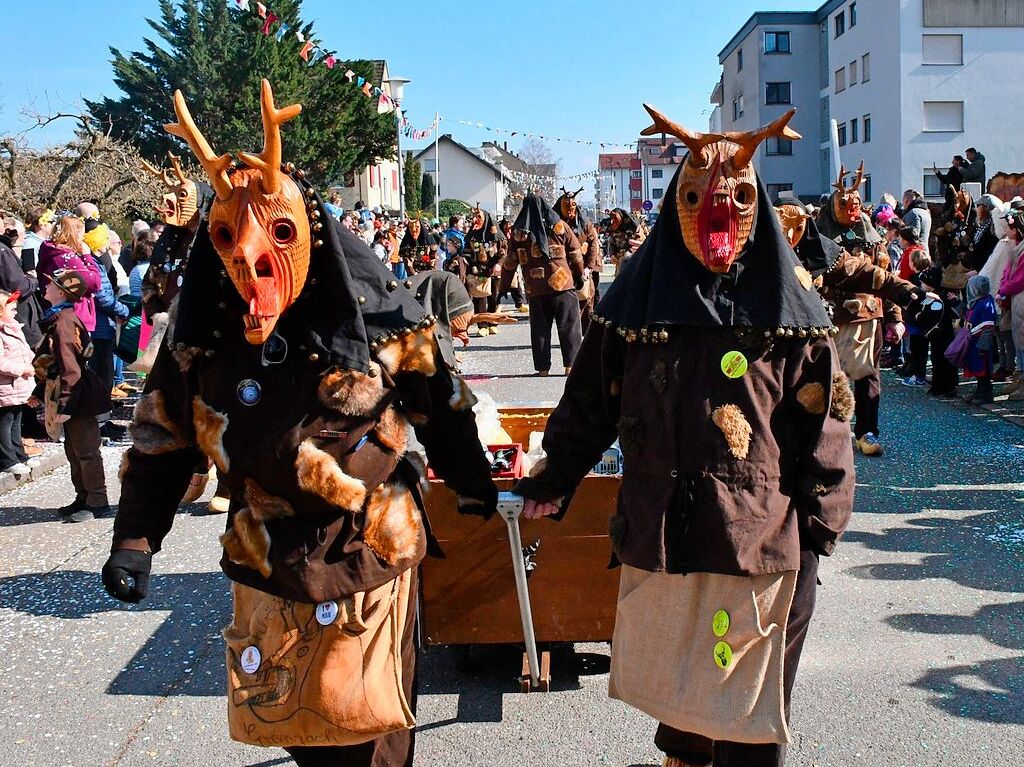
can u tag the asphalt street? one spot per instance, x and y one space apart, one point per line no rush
915 657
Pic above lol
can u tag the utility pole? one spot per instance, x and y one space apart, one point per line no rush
437 168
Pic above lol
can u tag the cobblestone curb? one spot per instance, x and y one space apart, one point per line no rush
52 458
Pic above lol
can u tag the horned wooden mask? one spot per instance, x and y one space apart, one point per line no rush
180 203
794 222
846 203
716 191
257 222
568 206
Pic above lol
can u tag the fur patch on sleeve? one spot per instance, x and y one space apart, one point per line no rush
734 427
410 353
247 543
320 474
811 397
153 432
559 227
185 357
877 278
462 398
842 398
351 392
394 528
391 431
853 306
123 470
803 277
210 427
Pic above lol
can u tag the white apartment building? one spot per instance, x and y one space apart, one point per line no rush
612 184
910 83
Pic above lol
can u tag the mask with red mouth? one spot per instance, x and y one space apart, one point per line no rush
716 196
846 202
257 223
180 203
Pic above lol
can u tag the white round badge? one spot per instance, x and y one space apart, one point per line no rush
251 659
326 612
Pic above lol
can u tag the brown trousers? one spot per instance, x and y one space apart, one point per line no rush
699 750
394 750
82 447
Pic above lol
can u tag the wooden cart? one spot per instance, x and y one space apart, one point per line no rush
470 597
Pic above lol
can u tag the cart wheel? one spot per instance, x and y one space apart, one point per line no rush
544 677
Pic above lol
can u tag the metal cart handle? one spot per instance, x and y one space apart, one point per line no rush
510 506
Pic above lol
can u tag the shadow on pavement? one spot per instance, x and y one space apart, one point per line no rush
184 656
1000 624
28 515
989 691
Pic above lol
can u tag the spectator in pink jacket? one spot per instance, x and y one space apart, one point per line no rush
17 380
66 251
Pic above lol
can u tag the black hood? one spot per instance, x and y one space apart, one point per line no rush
664 285
627 224
863 233
350 300
577 223
425 240
817 254
536 217
489 233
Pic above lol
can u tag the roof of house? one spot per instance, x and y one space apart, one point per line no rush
665 154
509 159
447 138
614 161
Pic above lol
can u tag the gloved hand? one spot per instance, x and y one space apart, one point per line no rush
482 503
126 575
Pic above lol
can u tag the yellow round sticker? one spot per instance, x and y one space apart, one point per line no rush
723 655
720 623
734 364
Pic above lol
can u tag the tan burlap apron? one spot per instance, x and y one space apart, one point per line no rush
859 346
704 653
293 681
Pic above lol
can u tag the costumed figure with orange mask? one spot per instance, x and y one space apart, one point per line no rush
865 321
711 360
297 365
486 248
590 246
621 230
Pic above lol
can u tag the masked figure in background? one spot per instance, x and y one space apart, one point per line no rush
298 364
486 248
590 247
954 241
865 321
552 263
711 360
621 229
417 244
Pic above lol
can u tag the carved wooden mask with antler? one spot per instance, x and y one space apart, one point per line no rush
180 203
846 202
716 192
794 222
257 222
568 205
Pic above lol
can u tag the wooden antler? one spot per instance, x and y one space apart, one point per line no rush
694 141
160 174
216 167
176 164
268 162
577 192
840 185
749 142
860 177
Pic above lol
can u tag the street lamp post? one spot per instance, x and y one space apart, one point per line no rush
397 85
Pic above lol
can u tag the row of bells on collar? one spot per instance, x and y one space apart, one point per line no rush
656 336
427 322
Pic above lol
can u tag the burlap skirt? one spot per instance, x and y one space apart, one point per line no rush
317 675
859 345
704 653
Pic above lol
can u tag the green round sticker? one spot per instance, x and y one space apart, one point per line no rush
720 623
723 655
734 364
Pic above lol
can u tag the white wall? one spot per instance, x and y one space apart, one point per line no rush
467 178
620 199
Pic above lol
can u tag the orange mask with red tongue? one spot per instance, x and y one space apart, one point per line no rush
257 222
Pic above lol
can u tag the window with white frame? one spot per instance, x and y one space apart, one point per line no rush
865 67
429 165
932 186
776 42
943 117
840 80
942 50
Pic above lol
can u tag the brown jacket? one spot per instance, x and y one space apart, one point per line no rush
722 475
62 355
562 271
593 258
861 287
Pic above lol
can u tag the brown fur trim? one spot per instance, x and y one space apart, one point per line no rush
803 277
210 427
877 279
391 431
185 357
264 505
320 474
351 392
853 306
540 467
393 525
462 398
735 428
247 543
872 304
842 398
123 469
152 431
411 353
811 397
559 227
417 419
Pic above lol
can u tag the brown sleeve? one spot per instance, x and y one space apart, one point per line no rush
594 258
573 253
68 348
858 274
821 404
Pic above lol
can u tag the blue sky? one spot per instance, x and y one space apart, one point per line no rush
578 69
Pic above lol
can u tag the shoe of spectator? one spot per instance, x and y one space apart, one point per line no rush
82 515
523 309
116 393
18 470
100 512
33 463
914 381
493 329
219 504
1000 375
28 442
128 388
76 505
32 451
869 445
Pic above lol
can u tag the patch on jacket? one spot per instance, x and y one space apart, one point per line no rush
872 304
559 227
803 277
247 543
631 434
811 397
409 353
185 357
352 392
321 475
853 306
842 398
734 427
462 397
152 431
393 524
659 377
391 431
210 427
877 279
560 279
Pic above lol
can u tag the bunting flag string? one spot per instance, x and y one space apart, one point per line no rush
536 178
526 134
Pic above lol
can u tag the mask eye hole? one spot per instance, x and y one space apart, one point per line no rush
744 195
222 236
691 197
283 231
182 193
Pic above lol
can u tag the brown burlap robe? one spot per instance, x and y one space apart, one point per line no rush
664 652
859 345
333 685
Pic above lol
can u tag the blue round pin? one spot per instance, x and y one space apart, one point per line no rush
249 392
